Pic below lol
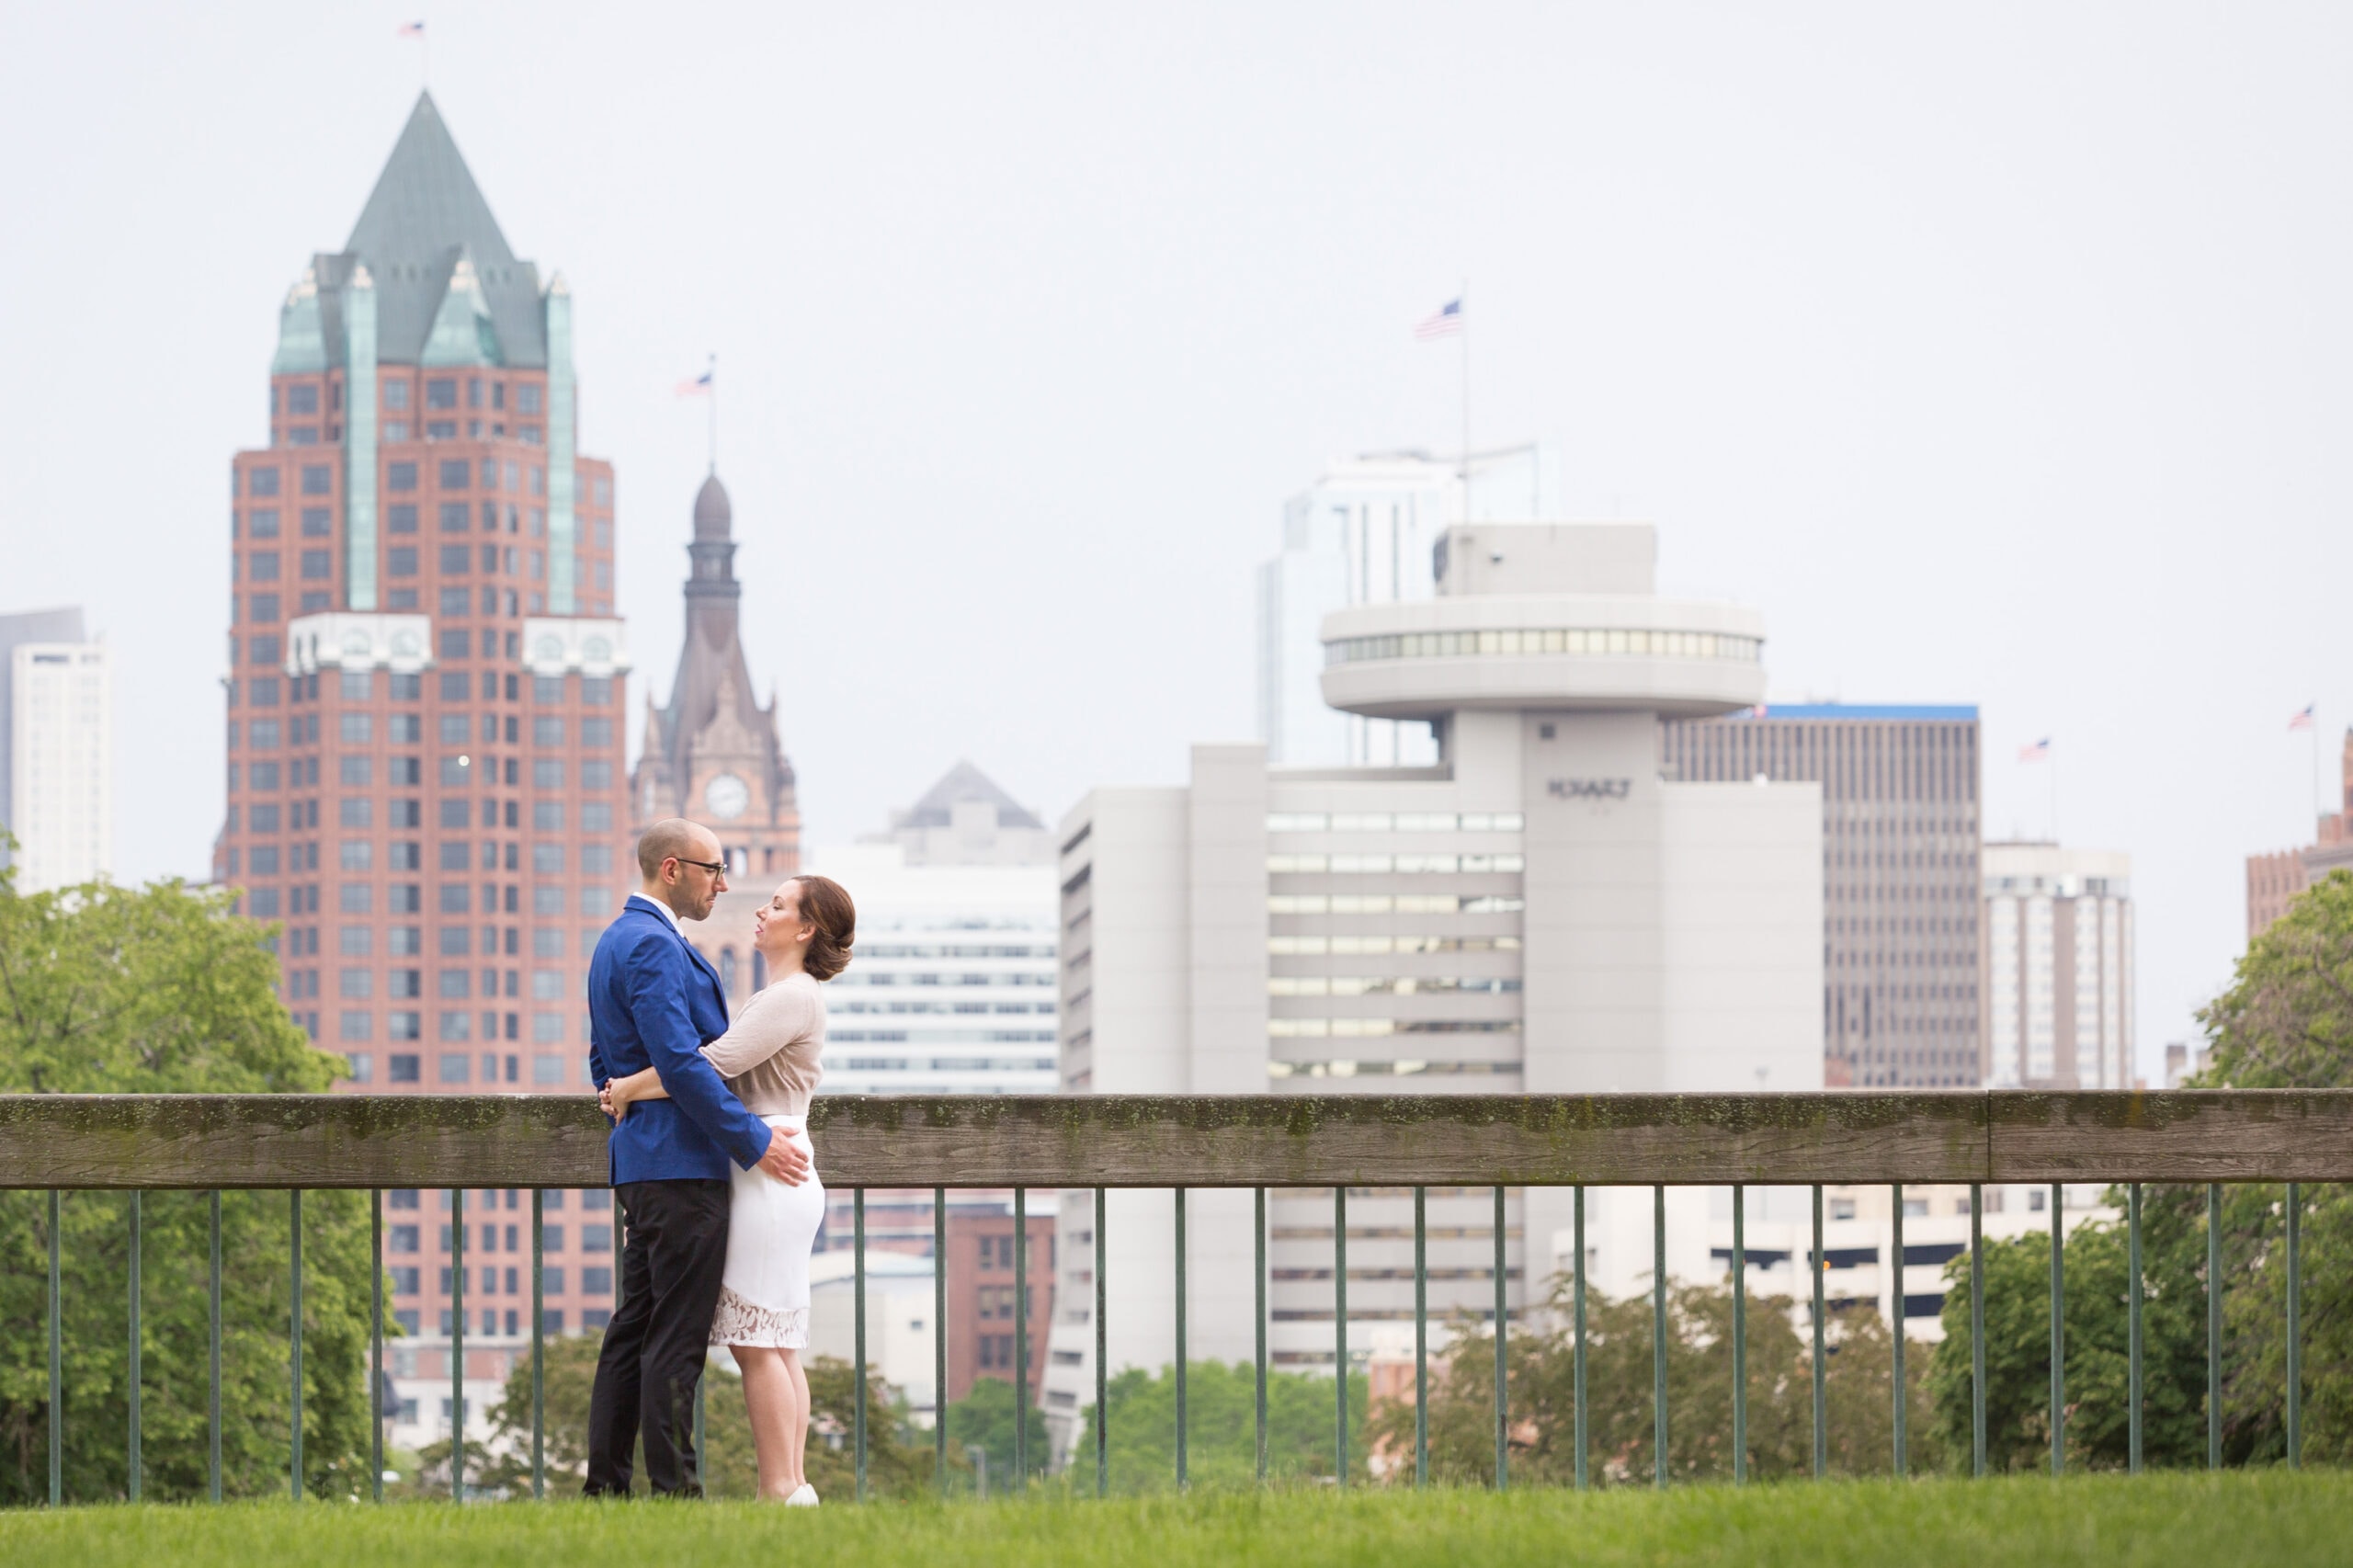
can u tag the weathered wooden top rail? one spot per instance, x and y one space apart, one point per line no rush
486 1140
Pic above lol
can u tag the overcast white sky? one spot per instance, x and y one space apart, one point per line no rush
1997 355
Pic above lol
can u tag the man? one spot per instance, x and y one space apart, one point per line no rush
654 1001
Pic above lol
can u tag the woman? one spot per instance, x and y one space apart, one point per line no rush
770 1058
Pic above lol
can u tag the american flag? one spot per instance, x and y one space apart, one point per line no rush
1444 323
2037 752
411 30
2304 720
699 387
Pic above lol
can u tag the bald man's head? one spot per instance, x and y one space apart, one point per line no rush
675 857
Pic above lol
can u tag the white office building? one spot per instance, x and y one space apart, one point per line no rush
2058 983
1534 910
951 991
56 750
1363 534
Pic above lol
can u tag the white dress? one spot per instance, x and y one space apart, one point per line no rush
770 1057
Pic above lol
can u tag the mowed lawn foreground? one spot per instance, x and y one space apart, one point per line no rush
2273 1519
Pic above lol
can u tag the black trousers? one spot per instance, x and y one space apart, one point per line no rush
673 1258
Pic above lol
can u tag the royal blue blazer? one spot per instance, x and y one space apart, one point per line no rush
654 1001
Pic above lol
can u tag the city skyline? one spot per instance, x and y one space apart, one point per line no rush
1860 387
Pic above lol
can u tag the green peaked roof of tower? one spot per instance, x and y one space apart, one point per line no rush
424 213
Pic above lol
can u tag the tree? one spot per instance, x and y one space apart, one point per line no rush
163 989
1620 1404
983 1418
2285 1022
1221 1429
897 1464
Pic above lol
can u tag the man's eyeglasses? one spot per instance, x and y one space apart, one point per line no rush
716 867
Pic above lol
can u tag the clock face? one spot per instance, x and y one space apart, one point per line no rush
727 796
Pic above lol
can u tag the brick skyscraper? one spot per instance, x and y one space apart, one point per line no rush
425 705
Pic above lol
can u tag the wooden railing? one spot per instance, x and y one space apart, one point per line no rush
295 1142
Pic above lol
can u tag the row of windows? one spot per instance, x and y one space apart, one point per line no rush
449 729
949 1064
456 941
456 685
918 1007
1318 947
594 1281
1401 1068
860 977
455 898
1385 985
951 950
1336 1028
1395 821
261 566
401 1067
268 734
409 1239
1401 865
357 985
1384 904
440 392
261 522
1594 643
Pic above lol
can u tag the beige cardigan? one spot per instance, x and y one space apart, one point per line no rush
769 1053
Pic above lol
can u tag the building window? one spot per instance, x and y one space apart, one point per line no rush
318 479
318 565
402 1068
441 391
262 567
262 522
318 522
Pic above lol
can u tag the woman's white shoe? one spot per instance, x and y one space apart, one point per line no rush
805 1496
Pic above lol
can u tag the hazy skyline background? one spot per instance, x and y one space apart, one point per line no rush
1996 359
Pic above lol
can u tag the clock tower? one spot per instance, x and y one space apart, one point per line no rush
712 755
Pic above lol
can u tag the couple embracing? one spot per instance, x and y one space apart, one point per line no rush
712 1164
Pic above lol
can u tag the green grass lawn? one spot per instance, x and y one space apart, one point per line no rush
2270 1518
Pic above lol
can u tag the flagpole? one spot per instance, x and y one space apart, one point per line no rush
715 414
2315 727
2054 795
1463 310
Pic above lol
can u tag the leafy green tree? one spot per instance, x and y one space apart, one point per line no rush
2285 1022
985 1419
1220 1429
1621 1404
162 989
898 1459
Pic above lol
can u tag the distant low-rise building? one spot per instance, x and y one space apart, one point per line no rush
2274 880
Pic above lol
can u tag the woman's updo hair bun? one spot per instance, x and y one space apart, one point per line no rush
825 908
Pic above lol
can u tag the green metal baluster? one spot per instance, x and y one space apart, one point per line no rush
213 1486
1340 1328
2132 1326
57 1352
1821 1391
1502 1331
1181 1294
1895 1302
1977 1328
294 1316
375 1343
1578 1355
857 1299
1658 1329
1258 1246
2213 1325
2295 1327
136 1463
1021 1339
1421 1339
1102 1345
458 1344
2058 1330
540 1350
940 1339
1739 1336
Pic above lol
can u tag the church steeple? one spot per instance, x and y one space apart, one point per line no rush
713 753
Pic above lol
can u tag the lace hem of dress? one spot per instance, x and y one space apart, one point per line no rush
741 1320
